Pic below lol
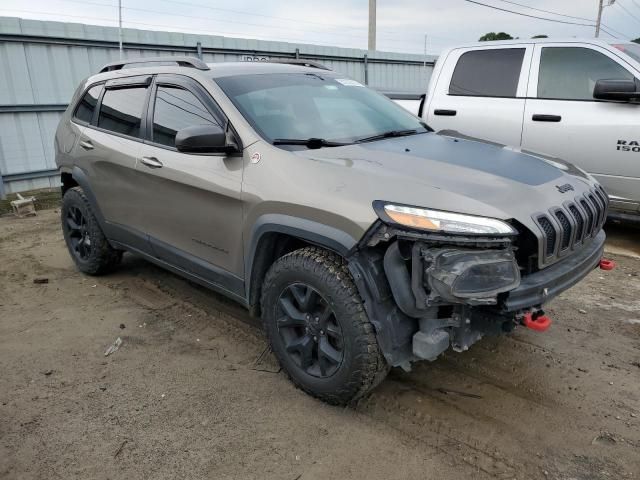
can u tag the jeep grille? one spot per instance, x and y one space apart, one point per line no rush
569 226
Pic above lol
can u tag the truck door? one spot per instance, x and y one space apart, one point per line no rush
481 93
562 119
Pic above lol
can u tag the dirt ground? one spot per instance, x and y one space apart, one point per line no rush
192 392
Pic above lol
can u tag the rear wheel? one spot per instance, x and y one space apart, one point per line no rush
317 326
85 240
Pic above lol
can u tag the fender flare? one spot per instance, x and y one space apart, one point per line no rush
394 330
82 180
313 232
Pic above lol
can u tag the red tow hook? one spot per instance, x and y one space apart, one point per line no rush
539 323
606 264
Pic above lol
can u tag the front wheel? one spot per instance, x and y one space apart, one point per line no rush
317 326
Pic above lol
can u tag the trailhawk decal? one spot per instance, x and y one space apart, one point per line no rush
628 146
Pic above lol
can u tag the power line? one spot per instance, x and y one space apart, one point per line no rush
165 27
607 32
297 29
527 15
548 11
200 17
288 19
635 3
566 16
628 12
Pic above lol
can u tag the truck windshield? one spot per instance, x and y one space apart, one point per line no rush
327 109
631 49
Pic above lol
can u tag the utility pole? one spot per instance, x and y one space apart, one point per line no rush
120 27
425 52
372 25
425 55
601 7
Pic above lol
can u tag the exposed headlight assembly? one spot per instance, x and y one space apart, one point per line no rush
439 221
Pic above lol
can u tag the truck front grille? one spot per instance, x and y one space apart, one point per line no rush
567 227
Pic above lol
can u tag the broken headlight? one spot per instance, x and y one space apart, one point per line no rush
439 221
473 274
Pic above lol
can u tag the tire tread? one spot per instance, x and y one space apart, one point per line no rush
333 272
104 258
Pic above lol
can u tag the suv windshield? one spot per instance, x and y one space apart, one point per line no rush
631 49
317 106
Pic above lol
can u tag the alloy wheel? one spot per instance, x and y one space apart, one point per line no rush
78 232
310 331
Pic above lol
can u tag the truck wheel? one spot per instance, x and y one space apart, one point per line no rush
318 329
85 240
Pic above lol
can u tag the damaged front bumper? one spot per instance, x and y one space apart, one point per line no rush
542 286
452 291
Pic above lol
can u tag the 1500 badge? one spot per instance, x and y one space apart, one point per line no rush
628 146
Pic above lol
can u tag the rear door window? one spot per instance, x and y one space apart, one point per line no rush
87 105
488 73
571 73
121 110
175 109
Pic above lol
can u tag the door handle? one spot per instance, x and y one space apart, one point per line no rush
86 144
151 162
546 118
445 112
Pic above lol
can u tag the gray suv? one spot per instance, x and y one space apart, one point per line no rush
362 239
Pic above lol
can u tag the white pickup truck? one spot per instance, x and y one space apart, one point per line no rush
575 100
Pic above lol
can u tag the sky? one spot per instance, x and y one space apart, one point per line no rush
401 24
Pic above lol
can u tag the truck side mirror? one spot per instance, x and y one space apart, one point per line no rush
203 139
620 90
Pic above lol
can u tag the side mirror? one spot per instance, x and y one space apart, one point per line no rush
620 90
203 139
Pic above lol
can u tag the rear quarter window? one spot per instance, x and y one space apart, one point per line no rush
488 73
87 104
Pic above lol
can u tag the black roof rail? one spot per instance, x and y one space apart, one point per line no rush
300 61
191 62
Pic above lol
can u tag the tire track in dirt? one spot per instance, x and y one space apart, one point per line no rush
481 409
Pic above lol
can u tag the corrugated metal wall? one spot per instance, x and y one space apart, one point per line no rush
41 63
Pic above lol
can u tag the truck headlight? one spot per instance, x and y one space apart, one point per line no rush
439 221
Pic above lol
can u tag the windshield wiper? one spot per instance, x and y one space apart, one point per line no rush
311 143
389 134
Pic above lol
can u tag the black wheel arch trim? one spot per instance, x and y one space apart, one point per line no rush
310 231
394 329
82 179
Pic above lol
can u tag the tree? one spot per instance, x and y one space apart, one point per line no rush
540 36
488 37
637 40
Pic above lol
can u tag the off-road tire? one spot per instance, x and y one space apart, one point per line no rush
102 257
363 366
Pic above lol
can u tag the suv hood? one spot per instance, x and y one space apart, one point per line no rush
450 173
